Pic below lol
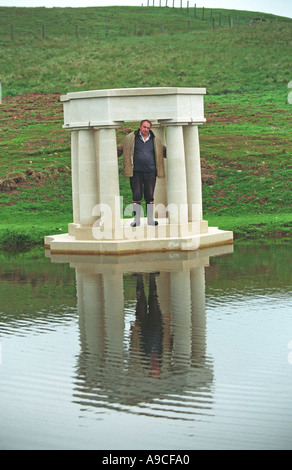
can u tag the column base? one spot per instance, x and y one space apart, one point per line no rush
125 232
144 238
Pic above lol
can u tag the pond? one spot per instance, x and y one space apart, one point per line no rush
166 351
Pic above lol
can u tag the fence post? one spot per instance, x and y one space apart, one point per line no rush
11 31
106 31
220 18
43 31
203 14
195 10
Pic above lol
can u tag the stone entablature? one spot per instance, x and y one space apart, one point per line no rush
103 108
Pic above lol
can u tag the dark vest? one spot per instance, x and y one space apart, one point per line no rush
144 159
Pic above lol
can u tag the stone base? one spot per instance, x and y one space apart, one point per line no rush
144 231
140 239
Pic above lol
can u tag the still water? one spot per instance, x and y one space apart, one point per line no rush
157 351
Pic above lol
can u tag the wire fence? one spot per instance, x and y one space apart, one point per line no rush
194 19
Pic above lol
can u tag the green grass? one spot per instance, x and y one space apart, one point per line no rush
224 59
245 144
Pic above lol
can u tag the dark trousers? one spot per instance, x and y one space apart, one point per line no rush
143 184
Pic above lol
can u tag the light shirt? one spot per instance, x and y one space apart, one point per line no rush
142 138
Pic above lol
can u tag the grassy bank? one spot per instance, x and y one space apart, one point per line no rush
245 145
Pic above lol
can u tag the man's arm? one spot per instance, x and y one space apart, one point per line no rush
164 151
120 149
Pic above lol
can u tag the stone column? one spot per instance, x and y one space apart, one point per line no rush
87 176
176 176
108 175
180 294
113 289
164 299
193 173
160 195
199 323
91 311
75 178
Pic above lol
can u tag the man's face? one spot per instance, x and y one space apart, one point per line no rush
145 128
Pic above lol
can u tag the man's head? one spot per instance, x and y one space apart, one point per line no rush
145 127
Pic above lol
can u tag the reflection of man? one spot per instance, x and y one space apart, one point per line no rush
143 162
149 319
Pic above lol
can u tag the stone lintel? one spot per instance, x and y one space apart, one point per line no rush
127 92
103 108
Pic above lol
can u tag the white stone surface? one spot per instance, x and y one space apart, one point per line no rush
176 175
66 243
193 172
100 108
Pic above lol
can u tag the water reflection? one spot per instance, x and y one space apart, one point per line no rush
142 328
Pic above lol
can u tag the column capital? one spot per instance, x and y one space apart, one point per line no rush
106 125
180 122
79 126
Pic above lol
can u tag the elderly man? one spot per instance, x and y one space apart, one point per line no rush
143 155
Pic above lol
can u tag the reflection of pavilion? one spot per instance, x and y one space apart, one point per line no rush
163 356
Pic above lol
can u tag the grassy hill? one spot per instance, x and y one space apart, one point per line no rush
242 58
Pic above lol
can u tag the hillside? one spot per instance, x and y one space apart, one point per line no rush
245 144
124 46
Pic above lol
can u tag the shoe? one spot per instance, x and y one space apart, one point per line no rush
137 212
150 220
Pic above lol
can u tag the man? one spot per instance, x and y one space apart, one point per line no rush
143 155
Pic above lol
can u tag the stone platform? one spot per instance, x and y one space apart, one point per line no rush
140 239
